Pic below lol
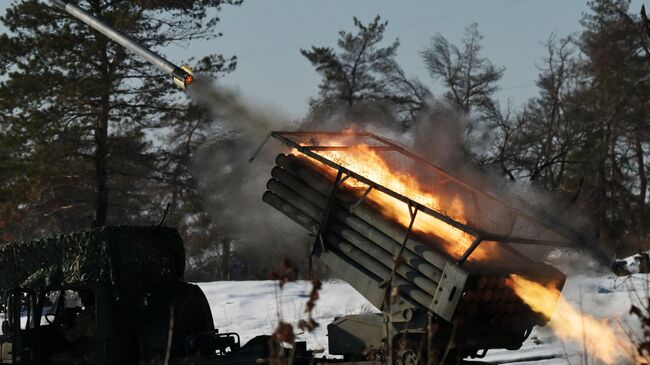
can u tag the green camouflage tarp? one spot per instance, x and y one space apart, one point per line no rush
132 260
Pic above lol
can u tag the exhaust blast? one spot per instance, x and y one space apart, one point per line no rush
361 240
370 204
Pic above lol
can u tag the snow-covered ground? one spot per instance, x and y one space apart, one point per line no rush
252 307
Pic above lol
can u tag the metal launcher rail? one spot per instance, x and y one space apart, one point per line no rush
296 140
412 277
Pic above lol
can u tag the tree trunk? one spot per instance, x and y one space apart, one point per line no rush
101 131
643 179
225 259
101 153
600 199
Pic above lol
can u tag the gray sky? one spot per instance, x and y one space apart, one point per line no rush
267 35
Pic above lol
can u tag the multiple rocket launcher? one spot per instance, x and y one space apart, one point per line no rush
471 301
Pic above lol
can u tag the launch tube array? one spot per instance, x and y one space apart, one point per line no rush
358 232
363 236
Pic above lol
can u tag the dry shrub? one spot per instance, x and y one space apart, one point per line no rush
642 343
310 324
284 333
285 274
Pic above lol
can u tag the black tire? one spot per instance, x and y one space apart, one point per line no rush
188 307
192 316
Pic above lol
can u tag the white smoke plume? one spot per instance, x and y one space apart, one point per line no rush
232 186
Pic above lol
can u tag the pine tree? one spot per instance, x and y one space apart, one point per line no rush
587 134
355 73
82 121
469 79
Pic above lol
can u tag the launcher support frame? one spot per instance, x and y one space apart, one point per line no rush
324 224
319 242
413 211
429 286
386 145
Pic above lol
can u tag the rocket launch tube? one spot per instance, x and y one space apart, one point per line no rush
350 236
345 248
298 168
356 230
181 76
359 225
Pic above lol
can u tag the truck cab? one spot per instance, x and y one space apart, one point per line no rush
16 325
66 325
109 295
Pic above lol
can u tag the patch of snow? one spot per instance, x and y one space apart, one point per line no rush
253 308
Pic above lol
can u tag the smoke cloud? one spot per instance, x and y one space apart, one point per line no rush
233 186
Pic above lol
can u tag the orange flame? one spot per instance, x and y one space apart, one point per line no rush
569 324
365 161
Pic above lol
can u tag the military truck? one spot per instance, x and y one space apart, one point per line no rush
441 300
116 295
110 295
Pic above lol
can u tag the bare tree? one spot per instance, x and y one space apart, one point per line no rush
646 26
502 153
470 80
408 95
547 134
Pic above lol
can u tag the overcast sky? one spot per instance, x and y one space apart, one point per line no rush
266 35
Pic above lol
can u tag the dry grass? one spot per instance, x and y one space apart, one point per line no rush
284 331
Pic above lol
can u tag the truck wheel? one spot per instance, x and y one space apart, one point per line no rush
191 314
406 357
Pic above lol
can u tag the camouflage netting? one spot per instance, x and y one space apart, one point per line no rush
132 260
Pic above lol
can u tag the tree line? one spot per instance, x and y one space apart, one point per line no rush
92 136
585 136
